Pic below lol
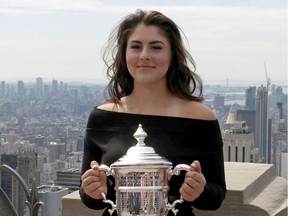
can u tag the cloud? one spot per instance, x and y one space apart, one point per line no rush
229 40
37 7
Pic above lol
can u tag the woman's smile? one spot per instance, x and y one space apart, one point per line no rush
145 66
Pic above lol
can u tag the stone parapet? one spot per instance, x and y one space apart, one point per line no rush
253 189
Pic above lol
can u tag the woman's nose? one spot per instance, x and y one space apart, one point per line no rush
144 54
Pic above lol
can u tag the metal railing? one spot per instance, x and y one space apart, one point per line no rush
32 202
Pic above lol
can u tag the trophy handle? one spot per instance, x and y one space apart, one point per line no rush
113 206
106 169
108 172
178 168
172 206
176 171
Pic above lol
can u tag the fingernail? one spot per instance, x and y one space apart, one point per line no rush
94 166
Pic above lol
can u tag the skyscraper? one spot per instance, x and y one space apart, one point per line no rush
238 144
261 125
6 178
250 97
2 89
39 87
54 87
238 141
56 150
27 168
20 88
219 102
249 117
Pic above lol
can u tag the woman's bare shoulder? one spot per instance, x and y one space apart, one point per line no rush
109 106
198 110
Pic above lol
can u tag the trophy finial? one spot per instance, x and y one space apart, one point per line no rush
140 136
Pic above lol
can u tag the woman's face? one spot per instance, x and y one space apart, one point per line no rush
148 54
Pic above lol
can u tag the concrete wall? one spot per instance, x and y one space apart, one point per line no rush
253 189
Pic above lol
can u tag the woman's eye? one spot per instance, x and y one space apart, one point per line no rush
135 47
156 47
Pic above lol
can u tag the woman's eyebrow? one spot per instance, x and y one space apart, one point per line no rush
155 42
134 41
152 42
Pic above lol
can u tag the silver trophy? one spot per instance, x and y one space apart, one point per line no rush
141 181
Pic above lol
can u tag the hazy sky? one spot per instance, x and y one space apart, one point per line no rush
230 39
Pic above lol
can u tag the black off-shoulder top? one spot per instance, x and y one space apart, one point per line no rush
180 140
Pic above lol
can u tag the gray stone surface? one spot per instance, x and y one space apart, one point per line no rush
252 190
73 206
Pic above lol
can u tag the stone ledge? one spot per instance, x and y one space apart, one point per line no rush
273 198
73 206
252 190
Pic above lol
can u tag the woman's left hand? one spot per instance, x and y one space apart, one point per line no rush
194 183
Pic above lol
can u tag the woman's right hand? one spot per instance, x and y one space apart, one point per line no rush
94 181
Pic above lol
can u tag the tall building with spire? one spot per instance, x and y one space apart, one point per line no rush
230 120
238 141
261 125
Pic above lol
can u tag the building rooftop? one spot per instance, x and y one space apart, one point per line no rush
72 170
49 188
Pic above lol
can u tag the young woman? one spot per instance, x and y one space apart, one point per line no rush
151 83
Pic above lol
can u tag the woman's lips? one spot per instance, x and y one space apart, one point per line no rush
145 66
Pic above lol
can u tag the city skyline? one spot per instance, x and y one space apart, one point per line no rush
63 39
42 131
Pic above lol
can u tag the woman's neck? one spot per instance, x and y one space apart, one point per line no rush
148 101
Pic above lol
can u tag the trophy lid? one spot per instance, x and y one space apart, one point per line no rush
141 154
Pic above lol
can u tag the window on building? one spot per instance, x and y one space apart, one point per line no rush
229 153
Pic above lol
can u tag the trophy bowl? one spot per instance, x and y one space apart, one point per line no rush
142 181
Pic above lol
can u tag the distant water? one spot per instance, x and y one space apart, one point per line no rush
231 102
244 82
248 83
